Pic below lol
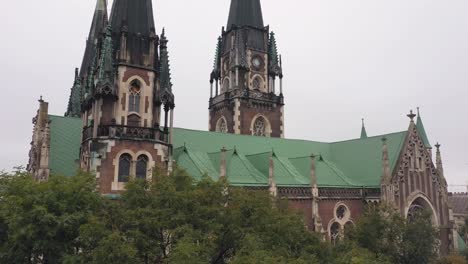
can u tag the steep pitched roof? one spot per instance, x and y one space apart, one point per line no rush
65 141
353 163
245 13
363 130
98 25
459 203
347 164
135 15
422 131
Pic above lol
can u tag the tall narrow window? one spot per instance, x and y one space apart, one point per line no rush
221 125
134 97
125 162
259 127
335 233
142 167
257 83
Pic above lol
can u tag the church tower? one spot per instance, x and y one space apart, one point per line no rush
244 97
122 91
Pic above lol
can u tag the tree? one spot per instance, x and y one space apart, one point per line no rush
382 231
39 222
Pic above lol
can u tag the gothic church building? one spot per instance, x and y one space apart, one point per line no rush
119 125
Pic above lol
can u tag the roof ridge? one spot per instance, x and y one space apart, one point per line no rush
65 117
373 137
291 139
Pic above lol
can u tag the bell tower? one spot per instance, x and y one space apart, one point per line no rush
124 93
244 96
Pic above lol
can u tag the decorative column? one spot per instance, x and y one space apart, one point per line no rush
222 169
386 185
171 129
271 176
317 221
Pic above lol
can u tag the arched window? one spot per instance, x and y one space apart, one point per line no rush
348 228
260 127
142 167
257 83
341 212
125 162
335 233
221 125
134 97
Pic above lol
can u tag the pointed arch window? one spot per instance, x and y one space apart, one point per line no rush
142 167
134 97
257 83
125 162
260 127
335 230
221 125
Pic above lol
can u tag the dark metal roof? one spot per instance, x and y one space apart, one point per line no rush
135 15
245 13
98 25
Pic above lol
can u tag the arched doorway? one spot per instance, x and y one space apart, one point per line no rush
418 204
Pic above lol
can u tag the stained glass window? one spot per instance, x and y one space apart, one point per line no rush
259 127
222 126
134 97
124 167
341 212
257 83
142 167
335 233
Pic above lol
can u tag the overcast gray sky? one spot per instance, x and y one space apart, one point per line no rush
343 60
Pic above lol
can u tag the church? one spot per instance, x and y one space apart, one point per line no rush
119 126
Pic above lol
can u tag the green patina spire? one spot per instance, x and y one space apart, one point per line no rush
217 60
363 130
165 70
422 131
273 50
74 103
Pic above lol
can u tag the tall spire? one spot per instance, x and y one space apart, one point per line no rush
245 13
98 25
363 130
105 75
422 131
165 70
74 103
439 165
135 16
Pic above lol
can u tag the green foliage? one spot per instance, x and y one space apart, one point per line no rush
382 231
176 220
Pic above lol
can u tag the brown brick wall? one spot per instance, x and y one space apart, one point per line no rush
228 113
326 210
305 208
130 72
248 112
107 168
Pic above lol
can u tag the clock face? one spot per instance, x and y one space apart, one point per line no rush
256 62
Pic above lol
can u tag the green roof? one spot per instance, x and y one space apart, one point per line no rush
422 131
65 141
461 244
353 163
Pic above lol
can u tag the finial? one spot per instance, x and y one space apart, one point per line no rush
362 119
438 146
411 115
313 156
223 149
40 99
384 140
418 110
